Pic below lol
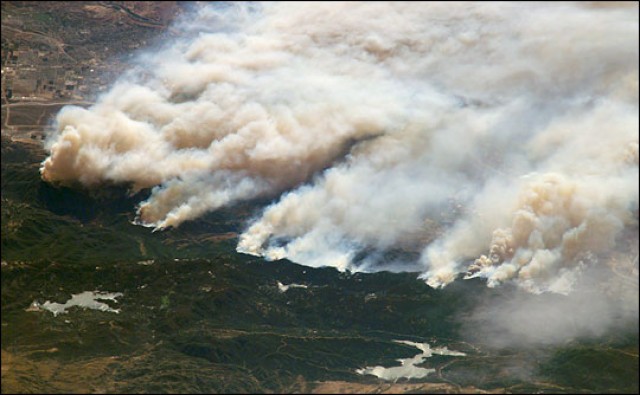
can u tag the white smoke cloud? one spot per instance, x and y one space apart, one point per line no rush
499 139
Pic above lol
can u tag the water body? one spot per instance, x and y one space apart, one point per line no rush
409 368
87 300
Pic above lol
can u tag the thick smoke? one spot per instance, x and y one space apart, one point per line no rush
498 140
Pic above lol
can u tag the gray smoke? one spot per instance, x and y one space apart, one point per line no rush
498 140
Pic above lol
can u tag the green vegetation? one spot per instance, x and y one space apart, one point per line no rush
44 18
198 317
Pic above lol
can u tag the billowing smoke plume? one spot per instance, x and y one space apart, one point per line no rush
496 140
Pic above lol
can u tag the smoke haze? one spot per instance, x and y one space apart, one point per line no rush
493 140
